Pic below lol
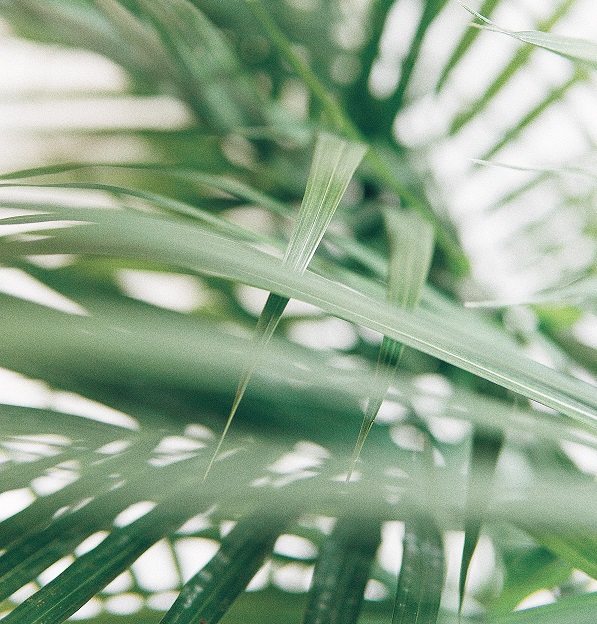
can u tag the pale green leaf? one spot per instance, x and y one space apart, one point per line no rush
333 165
421 577
411 251
136 235
579 292
519 60
340 121
572 48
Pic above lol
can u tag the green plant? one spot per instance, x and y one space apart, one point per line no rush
476 436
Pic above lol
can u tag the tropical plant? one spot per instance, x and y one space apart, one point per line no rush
315 161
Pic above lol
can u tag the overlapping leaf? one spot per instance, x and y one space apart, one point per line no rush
411 250
334 163
116 233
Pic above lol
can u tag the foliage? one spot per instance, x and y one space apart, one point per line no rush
474 423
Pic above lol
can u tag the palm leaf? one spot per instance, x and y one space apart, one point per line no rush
411 250
485 451
206 203
574 49
421 574
519 60
113 233
341 573
334 163
208 595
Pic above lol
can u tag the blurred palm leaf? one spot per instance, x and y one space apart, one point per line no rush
203 205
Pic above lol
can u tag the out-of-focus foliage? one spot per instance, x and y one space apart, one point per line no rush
141 278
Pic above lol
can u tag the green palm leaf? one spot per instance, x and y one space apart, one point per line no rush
155 246
411 250
574 49
113 233
334 163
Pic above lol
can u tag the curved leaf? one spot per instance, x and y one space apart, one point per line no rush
569 47
134 235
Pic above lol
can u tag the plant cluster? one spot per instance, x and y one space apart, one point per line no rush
315 381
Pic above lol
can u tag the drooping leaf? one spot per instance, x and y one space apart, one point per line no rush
411 251
572 48
333 165
117 233
341 573
165 203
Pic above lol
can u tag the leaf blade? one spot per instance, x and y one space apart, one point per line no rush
334 163
411 252
341 573
421 575
207 596
575 49
112 234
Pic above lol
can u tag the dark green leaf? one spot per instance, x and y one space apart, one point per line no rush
421 577
209 594
341 573
485 451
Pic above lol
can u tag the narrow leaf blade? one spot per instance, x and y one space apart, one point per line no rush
510 71
341 573
421 575
69 591
485 451
207 596
334 163
411 251
116 233
575 49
